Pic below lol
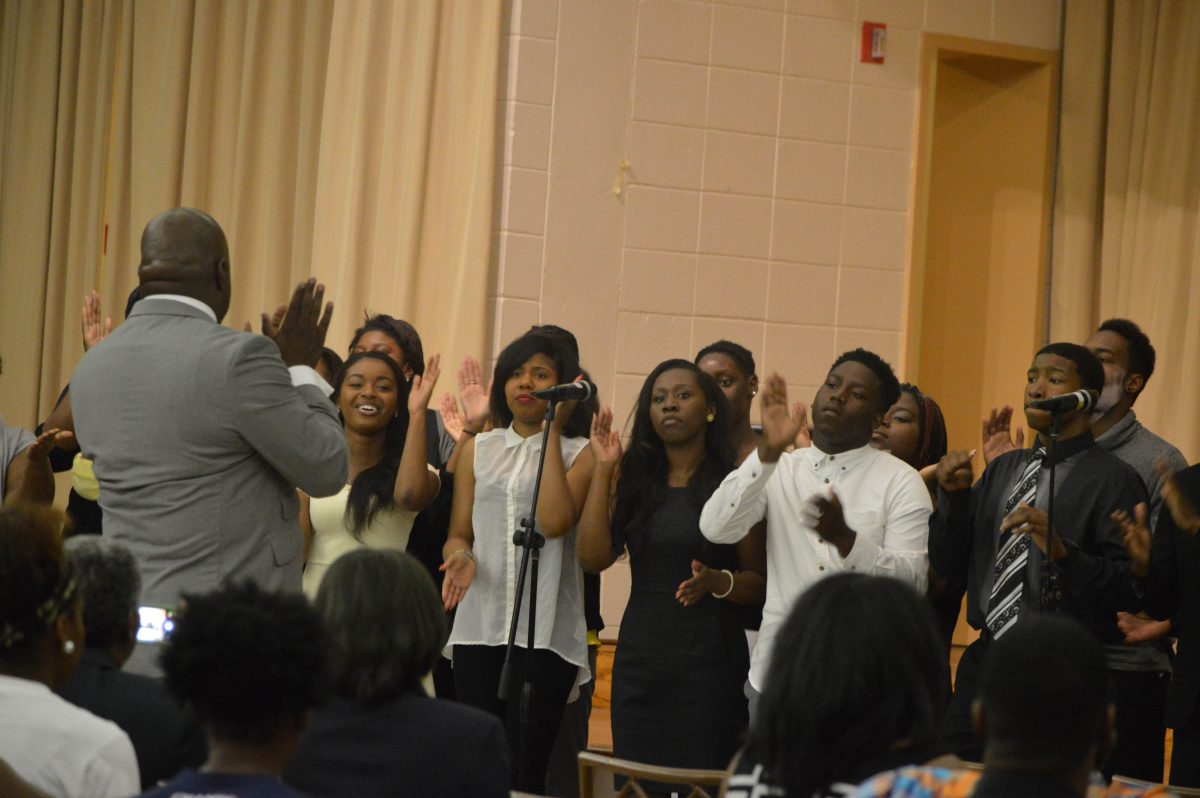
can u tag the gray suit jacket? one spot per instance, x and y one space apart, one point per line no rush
199 441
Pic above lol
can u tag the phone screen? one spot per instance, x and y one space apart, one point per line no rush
155 624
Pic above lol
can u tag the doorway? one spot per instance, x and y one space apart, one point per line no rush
983 192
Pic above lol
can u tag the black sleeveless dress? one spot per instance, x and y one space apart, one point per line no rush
678 675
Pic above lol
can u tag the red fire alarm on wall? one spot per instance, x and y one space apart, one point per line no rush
874 42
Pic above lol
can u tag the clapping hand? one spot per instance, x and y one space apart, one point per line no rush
779 428
997 434
605 441
1033 521
824 515
804 434
1180 507
704 581
472 395
47 441
93 331
1135 534
300 335
421 389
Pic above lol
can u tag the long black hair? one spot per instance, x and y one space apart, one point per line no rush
513 356
374 488
642 485
857 668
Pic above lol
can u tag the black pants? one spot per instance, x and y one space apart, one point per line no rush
476 679
1185 754
957 735
1141 700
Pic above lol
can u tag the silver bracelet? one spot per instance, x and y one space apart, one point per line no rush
731 583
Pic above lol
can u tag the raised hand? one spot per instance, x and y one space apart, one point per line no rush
452 420
472 395
421 390
997 434
704 581
93 330
300 334
954 471
460 572
1135 534
804 435
1181 509
605 441
779 428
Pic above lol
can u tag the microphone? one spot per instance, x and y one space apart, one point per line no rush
1079 400
570 391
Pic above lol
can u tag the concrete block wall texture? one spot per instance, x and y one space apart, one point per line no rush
673 172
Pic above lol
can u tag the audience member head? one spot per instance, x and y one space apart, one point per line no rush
396 338
679 407
857 392
529 363
372 398
250 664
858 670
41 617
329 364
579 425
732 366
1128 358
110 586
184 252
1059 369
913 429
1044 705
385 621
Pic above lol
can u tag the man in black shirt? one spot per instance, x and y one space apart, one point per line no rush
984 531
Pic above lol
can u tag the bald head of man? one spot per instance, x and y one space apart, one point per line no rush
184 252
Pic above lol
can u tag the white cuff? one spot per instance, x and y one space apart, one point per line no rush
307 375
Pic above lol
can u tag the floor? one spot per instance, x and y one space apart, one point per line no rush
600 727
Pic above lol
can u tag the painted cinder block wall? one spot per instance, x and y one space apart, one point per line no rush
672 172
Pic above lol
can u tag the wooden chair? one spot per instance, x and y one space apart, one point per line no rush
591 764
1182 792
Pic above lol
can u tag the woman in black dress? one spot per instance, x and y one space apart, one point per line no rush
682 660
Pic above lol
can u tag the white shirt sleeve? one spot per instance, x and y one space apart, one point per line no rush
738 503
905 549
306 375
113 772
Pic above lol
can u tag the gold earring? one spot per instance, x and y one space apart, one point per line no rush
712 417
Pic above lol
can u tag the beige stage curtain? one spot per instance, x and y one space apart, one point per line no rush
1127 221
348 139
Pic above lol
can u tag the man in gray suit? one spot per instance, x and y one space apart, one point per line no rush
199 433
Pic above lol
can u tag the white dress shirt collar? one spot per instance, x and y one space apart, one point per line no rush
513 438
187 300
847 460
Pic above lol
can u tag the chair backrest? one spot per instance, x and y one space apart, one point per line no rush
590 764
1180 792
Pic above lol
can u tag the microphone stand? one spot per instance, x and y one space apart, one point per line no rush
1051 592
531 541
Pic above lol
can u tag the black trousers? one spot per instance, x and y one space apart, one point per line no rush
476 679
1141 700
957 735
1185 754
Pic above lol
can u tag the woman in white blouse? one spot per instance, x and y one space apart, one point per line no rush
51 744
494 487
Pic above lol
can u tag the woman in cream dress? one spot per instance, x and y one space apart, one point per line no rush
390 483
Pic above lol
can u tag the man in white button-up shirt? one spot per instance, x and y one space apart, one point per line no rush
838 505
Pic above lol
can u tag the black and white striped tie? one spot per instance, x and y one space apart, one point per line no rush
1008 583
